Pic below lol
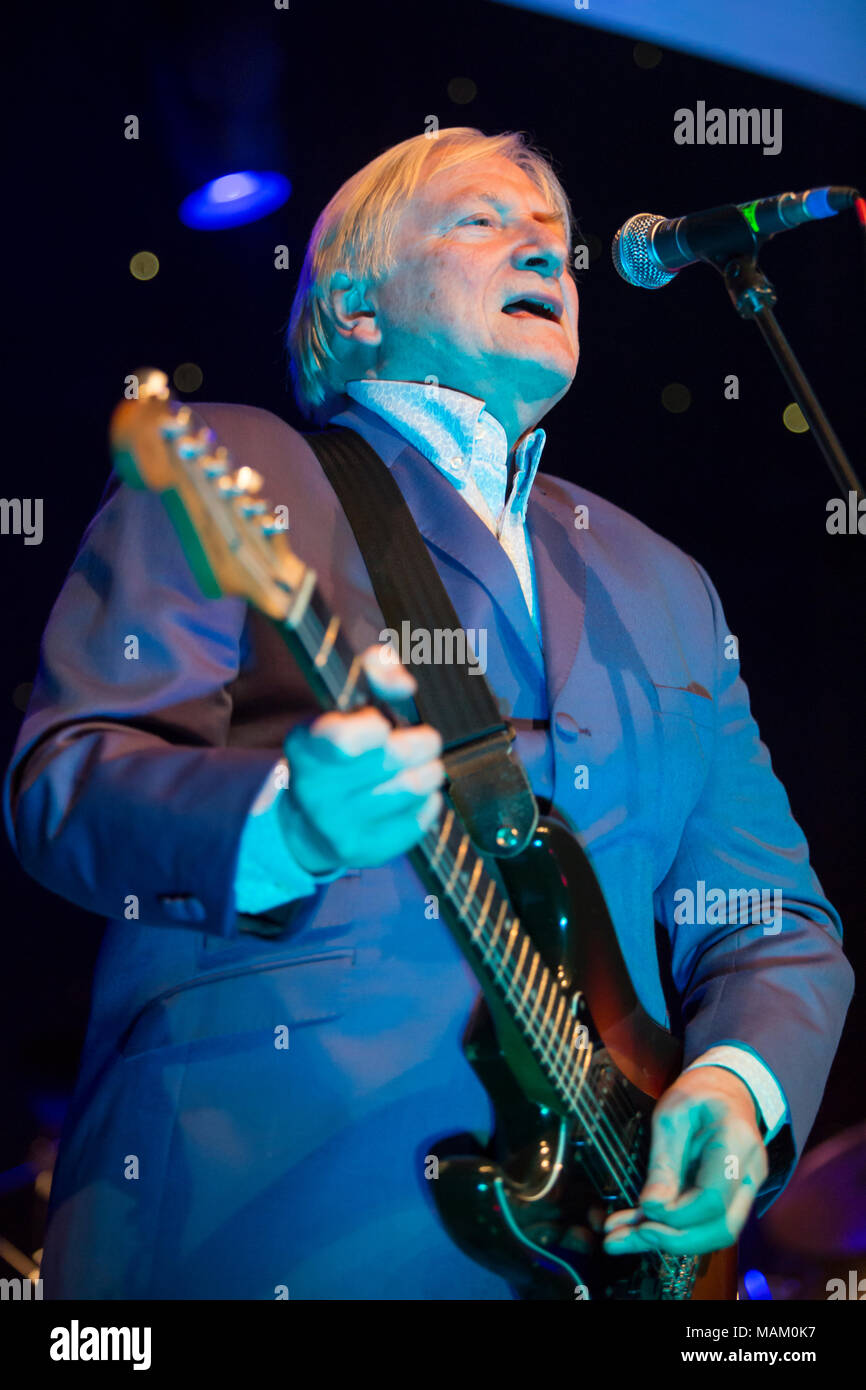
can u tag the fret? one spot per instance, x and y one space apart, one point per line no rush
320 636
473 881
563 1045
555 1032
485 907
503 910
558 1040
324 652
550 1004
334 665
444 834
536 960
539 995
562 1057
458 864
301 600
456 833
582 1059
345 696
508 949
515 973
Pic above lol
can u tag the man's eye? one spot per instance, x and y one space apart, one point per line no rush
479 217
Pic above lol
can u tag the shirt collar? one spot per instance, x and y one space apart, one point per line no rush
457 434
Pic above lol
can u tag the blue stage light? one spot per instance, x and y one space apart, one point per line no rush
234 199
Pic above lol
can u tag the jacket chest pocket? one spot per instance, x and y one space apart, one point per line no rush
636 760
242 1003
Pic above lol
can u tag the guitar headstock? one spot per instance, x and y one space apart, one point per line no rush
232 538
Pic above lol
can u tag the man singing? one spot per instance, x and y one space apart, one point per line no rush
437 317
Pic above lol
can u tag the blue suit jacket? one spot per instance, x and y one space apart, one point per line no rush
201 1160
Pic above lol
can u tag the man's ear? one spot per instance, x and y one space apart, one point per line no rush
353 311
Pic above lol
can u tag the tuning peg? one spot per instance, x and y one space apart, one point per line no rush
176 424
249 479
152 384
227 485
215 464
191 446
237 484
253 507
270 526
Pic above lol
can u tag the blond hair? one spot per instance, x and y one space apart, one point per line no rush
355 233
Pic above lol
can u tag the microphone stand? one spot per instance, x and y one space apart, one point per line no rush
753 297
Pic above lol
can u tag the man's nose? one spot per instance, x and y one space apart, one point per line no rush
542 250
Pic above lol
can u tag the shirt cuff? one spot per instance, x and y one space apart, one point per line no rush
267 874
747 1065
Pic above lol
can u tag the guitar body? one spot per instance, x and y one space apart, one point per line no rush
530 1205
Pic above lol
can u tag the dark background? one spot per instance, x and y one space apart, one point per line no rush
317 91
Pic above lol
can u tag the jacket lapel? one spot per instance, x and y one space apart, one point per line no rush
560 578
451 527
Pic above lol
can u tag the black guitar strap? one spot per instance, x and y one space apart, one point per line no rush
489 787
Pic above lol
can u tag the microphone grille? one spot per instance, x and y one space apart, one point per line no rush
631 253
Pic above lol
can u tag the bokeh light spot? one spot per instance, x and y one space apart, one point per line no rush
187 377
144 265
794 419
647 55
676 398
756 1285
462 90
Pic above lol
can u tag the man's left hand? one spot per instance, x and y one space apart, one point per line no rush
707 1162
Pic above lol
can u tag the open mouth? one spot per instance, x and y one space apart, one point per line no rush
536 306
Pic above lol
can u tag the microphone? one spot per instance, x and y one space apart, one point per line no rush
649 250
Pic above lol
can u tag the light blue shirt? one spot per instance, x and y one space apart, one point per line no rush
466 443
463 440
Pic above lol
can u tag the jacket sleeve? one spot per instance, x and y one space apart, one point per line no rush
764 966
268 875
123 795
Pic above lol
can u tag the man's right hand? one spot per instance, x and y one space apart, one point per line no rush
360 791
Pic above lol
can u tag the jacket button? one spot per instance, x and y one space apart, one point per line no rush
566 727
182 907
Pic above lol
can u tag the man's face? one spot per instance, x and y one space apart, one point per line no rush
473 241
